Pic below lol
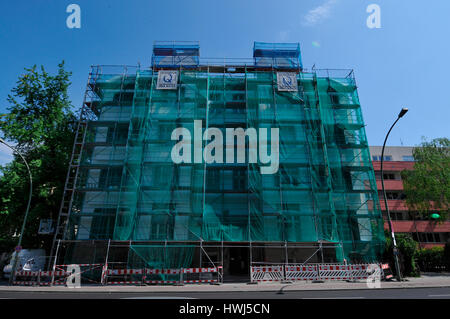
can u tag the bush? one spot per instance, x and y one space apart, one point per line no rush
447 256
431 259
407 253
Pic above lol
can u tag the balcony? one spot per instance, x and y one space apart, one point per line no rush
421 226
390 185
393 166
393 204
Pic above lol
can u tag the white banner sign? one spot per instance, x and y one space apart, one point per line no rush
167 80
45 227
287 81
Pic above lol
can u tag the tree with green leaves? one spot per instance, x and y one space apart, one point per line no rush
427 186
41 124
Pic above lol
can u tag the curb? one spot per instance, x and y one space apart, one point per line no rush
75 290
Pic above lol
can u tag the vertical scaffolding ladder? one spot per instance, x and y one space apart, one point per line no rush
75 160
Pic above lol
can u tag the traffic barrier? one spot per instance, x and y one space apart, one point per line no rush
122 276
85 269
124 272
39 278
334 272
201 275
311 272
162 276
386 272
302 272
266 273
273 273
358 272
163 271
26 278
51 277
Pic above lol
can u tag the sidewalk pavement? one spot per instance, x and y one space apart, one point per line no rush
428 280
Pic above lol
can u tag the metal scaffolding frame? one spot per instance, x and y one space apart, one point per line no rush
318 92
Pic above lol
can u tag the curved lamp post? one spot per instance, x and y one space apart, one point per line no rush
13 272
397 265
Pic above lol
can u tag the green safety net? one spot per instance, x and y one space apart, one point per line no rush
129 189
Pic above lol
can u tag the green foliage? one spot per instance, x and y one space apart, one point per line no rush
407 253
427 187
431 259
41 125
446 257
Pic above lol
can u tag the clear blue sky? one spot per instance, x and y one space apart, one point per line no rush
405 63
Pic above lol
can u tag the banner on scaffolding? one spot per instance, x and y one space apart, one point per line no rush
46 227
167 80
287 81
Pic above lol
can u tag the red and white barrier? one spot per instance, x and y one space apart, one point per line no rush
47 278
27 273
307 272
196 275
119 272
358 272
313 272
183 274
333 272
266 273
386 272
199 270
163 271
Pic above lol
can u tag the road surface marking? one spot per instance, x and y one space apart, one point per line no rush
334 298
448 295
157 298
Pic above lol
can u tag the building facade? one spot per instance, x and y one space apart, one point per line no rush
426 232
125 186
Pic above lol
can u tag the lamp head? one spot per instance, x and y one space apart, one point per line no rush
402 112
435 216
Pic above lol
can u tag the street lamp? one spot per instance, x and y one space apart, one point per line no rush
397 265
13 270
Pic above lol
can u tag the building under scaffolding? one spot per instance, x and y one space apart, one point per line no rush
126 201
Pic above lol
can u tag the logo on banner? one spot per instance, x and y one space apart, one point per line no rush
287 81
167 80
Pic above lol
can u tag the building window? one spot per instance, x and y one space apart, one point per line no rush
103 223
408 158
378 158
394 195
213 180
117 135
163 176
165 131
430 237
239 180
389 176
110 177
397 215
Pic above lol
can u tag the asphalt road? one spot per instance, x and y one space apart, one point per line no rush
398 293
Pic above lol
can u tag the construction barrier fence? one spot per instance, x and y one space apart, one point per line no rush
181 276
319 272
